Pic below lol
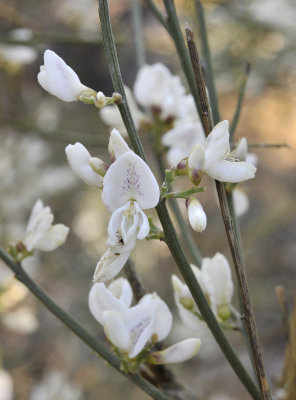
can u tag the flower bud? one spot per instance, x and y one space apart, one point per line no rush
196 161
117 145
224 312
98 166
101 100
197 216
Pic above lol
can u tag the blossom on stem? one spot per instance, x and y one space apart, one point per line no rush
197 216
215 159
216 283
240 201
90 169
58 79
117 145
179 352
40 233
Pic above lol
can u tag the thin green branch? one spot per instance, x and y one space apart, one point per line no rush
138 32
170 234
230 231
77 329
240 98
208 62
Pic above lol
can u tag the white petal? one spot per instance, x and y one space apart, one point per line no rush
6 385
55 236
231 171
196 162
163 318
185 134
143 224
217 144
59 79
218 270
130 178
109 265
179 352
78 158
197 216
139 322
116 331
241 150
122 290
37 209
117 145
101 299
240 201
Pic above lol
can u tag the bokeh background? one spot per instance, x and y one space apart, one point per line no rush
35 127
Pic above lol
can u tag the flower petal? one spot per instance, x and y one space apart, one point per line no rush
197 216
117 145
122 290
55 236
109 265
217 144
179 352
116 330
231 171
130 178
78 158
240 201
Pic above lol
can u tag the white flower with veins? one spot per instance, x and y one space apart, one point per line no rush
58 79
40 233
215 159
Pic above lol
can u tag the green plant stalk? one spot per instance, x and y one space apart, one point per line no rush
154 9
207 56
76 328
170 234
241 95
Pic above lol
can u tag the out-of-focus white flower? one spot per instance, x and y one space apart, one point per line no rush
181 140
58 79
156 87
86 167
54 386
216 283
240 201
133 329
6 385
117 145
22 55
215 159
179 352
22 320
40 233
197 216
116 297
111 115
130 178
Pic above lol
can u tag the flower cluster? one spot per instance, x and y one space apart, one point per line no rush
134 330
128 187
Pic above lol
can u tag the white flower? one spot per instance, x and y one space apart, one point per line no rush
112 117
132 329
6 385
155 86
84 166
215 159
130 178
197 216
58 79
181 140
40 233
240 201
179 352
241 152
216 283
116 297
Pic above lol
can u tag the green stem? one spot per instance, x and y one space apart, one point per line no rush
207 57
138 32
170 234
76 328
154 9
241 95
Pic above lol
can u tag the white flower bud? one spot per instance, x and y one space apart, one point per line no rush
58 79
117 145
197 216
101 100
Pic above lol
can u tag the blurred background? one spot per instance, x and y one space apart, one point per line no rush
35 127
